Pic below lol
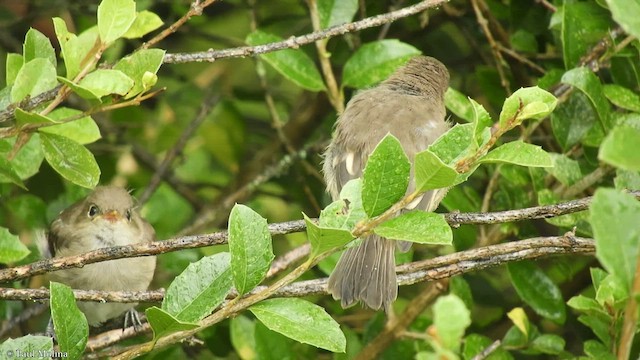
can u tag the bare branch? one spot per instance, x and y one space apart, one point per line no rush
425 270
197 241
296 42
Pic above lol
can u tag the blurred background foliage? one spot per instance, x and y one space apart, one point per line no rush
238 154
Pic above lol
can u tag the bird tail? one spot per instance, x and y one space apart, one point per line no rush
366 273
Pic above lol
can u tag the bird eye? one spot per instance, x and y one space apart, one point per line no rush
93 211
128 214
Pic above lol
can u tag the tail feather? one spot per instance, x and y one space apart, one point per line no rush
366 273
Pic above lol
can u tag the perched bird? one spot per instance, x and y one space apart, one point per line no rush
410 106
106 217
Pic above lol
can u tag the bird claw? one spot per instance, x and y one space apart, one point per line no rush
132 317
50 331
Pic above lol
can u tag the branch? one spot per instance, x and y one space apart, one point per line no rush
197 241
195 10
295 42
437 268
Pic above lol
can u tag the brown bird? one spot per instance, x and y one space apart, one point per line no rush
106 217
410 106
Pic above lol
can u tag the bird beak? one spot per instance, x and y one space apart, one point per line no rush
112 216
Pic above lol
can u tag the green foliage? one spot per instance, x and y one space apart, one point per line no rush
69 322
302 321
200 288
375 61
386 176
250 247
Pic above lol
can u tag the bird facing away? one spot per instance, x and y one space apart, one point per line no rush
410 106
107 217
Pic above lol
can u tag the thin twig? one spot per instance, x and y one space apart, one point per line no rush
209 102
295 42
495 50
488 350
336 97
629 324
195 10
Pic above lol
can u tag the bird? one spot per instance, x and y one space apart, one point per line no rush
106 217
410 106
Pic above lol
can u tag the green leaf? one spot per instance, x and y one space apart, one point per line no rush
23 118
566 170
293 64
27 345
612 293
339 215
622 97
526 103
375 61
115 18
302 321
519 153
323 239
271 345
139 66
482 121
451 318
104 82
250 247
37 46
583 25
11 248
459 104
242 333
80 90
385 177
199 289
600 326
597 350
536 289
71 160
162 323
573 119
626 13
13 66
614 217
83 130
431 172
8 173
620 148
587 82
336 12
417 226
454 144
474 344
629 180
34 78
75 49
584 303
145 22
28 160
548 344
69 323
